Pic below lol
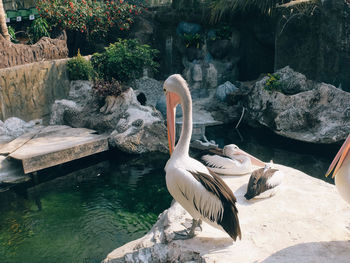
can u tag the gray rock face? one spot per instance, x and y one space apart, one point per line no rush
224 89
151 88
314 40
316 112
14 127
133 128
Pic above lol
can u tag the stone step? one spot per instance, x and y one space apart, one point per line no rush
55 145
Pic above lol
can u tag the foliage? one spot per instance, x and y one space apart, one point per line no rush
273 83
124 60
12 34
220 7
222 32
103 88
38 29
79 68
95 18
193 40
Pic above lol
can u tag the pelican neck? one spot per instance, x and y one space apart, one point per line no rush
183 145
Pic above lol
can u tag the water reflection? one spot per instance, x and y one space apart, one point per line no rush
85 214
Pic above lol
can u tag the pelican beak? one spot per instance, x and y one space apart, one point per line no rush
172 99
339 158
254 160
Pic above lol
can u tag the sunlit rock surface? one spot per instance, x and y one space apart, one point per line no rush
307 221
132 128
302 109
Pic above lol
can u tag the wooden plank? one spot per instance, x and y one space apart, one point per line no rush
50 147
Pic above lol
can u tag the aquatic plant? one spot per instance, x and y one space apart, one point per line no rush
273 83
79 68
124 60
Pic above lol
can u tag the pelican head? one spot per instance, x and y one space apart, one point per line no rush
231 150
339 158
176 89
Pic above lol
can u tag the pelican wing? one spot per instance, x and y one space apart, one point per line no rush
228 218
216 161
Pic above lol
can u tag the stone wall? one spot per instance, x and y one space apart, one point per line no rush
314 39
45 49
28 91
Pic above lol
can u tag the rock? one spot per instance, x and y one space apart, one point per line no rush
151 88
224 89
197 73
318 115
143 29
188 28
133 128
80 91
28 91
296 228
45 49
161 106
293 82
314 40
220 49
58 109
15 127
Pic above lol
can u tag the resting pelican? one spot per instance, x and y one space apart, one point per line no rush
341 170
264 182
203 194
238 162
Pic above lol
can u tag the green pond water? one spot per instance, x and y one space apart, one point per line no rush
82 211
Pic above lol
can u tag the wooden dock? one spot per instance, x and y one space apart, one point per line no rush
53 145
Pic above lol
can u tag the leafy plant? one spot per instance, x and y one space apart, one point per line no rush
124 60
79 68
12 34
220 7
38 29
273 83
103 88
193 40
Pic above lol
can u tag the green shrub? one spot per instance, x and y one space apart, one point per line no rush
79 68
38 29
124 60
273 83
12 34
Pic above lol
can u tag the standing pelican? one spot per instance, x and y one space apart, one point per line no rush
341 170
204 195
237 162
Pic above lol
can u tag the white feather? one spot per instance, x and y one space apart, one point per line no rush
228 166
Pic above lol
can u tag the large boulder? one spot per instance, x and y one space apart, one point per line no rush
316 112
296 227
133 128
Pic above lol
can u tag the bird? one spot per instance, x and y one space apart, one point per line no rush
264 182
236 162
202 193
340 170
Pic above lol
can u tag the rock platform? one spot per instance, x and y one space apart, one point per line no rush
307 221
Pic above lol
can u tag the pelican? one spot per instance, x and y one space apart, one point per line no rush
237 162
264 182
203 194
340 167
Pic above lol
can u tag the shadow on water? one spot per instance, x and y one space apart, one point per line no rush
83 215
313 159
